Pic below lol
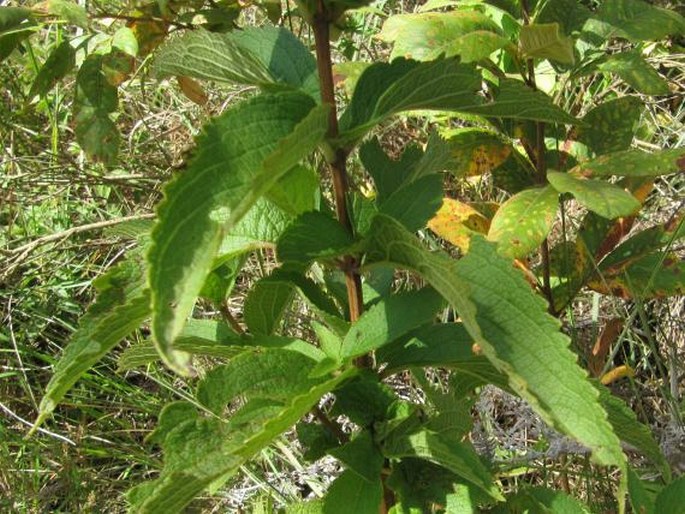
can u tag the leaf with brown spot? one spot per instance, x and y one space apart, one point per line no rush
476 151
523 221
456 222
600 350
570 267
617 373
192 90
633 163
657 275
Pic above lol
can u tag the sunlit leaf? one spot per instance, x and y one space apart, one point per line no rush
522 223
456 222
544 41
634 163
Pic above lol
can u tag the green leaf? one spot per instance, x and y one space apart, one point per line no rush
201 450
312 236
522 223
219 283
361 456
352 493
261 227
636 21
267 57
296 192
416 203
266 304
275 374
636 72
198 337
545 41
387 89
389 319
459 458
16 24
423 37
124 40
446 345
640 500
364 400
569 14
503 316
610 126
607 200
95 99
224 180
513 99
58 64
122 305
475 151
634 163
672 498
543 500
69 11
12 18
629 429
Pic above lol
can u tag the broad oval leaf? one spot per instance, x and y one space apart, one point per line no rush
634 163
266 304
607 200
610 126
636 72
58 64
545 41
503 315
522 223
475 151
469 34
240 156
268 57
457 222
636 20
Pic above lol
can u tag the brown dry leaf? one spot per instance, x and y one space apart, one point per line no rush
193 90
600 350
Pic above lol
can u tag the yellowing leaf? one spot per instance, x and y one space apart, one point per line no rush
456 222
192 90
523 221
617 373
476 151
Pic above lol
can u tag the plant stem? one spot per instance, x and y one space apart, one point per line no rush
337 163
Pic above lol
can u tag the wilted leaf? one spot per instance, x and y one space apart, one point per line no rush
192 90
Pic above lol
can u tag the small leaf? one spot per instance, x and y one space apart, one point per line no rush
389 319
469 34
192 90
637 21
122 305
636 72
312 236
414 204
513 99
456 222
232 173
671 497
58 64
634 163
265 305
352 493
68 10
361 456
267 57
475 151
459 458
610 126
605 199
522 223
387 89
124 40
544 41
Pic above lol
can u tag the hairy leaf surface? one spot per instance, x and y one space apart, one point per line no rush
240 156
503 315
